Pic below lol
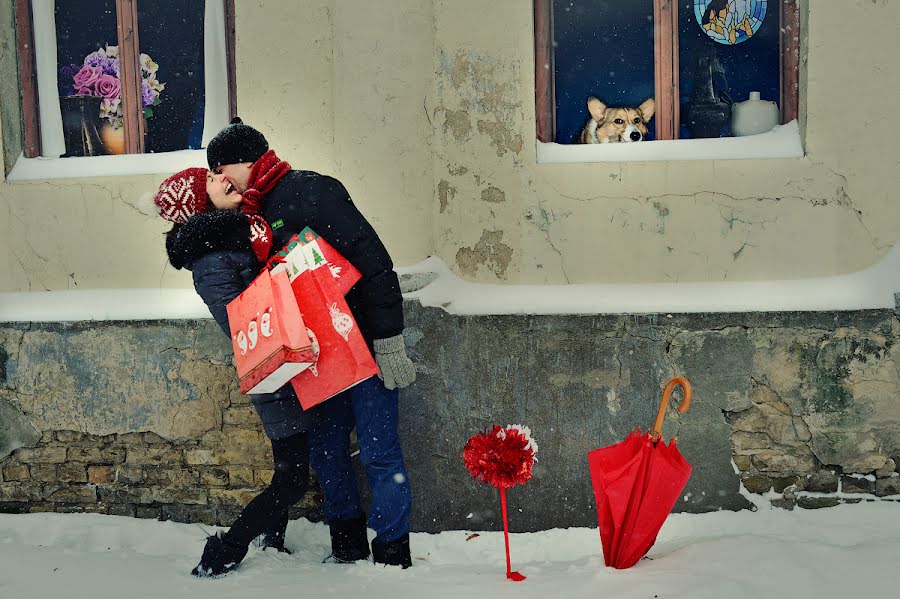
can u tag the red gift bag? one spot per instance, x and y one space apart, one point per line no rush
342 358
308 251
268 335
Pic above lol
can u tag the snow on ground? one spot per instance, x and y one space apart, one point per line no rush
846 551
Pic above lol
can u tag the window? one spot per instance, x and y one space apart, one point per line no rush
104 77
694 57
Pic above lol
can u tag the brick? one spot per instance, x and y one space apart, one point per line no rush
247 457
263 476
101 475
154 455
49 454
19 492
176 495
850 484
233 498
97 455
74 494
241 477
240 437
68 437
129 475
189 513
15 472
82 508
42 508
131 439
120 509
214 477
71 473
821 482
203 457
150 513
120 494
154 439
47 437
12 507
885 487
45 473
170 477
757 483
814 503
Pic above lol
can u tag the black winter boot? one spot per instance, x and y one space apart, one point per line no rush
219 558
274 537
348 540
394 553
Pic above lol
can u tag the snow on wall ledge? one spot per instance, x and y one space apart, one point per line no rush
781 142
871 288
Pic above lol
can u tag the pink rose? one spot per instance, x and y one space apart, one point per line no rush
87 76
107 86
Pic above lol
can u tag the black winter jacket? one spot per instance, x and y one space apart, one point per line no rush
307 199
215 247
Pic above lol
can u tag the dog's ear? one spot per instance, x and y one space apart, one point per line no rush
647 109
596 108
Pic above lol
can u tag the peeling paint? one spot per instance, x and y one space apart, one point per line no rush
502 137
457 171
446 192
488 252
493 194
459 124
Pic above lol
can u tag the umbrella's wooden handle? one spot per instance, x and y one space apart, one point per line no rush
656 431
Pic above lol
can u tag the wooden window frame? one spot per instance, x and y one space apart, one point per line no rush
130 70
666 84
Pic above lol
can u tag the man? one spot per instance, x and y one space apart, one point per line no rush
290 200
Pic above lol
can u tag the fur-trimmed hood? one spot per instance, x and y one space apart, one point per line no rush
219 230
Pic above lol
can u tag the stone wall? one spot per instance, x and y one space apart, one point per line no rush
145 418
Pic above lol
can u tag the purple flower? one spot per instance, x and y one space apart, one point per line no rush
64 82
95 59
87 77
107 86
147 93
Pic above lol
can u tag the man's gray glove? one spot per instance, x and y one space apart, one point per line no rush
397 370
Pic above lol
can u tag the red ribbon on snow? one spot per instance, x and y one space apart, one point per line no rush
503 458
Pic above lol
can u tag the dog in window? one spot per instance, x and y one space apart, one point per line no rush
616 124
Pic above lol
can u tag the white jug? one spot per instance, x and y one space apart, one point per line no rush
753 116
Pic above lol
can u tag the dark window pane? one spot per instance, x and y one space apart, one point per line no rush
82 28
171 34
603 48
743 38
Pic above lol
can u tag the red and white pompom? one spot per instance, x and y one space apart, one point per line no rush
501 457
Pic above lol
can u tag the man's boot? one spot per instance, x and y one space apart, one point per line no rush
348 540
393 553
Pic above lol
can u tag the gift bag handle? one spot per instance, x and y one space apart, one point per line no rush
656 432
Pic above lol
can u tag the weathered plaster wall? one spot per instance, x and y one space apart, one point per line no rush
424 108
501 217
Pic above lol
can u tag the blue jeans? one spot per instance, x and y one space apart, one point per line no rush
374 410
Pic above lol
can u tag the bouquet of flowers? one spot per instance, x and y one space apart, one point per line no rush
99 76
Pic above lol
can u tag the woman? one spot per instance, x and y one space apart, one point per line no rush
225 250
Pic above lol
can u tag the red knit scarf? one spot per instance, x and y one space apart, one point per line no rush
264 175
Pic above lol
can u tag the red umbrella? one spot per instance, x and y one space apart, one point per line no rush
636 484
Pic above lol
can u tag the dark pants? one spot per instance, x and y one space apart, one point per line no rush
268 512
374 411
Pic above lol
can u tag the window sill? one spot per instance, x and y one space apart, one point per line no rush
782 142
80 167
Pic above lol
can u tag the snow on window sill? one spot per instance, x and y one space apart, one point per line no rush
40 169
781 142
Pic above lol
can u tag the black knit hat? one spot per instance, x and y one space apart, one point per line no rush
235 144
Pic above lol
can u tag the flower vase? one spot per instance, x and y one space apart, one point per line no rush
113 139
81 122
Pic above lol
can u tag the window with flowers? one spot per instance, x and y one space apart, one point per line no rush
104 77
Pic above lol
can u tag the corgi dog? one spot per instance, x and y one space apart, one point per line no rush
615 124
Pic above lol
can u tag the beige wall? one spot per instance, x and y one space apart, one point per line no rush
425 110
